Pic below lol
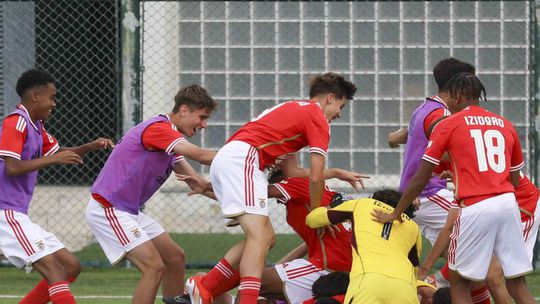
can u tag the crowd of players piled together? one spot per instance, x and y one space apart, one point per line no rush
354 250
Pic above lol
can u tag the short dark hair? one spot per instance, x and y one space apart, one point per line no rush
467 85
275 176
195 97
391 197
331 83
446 68
31 79
442 296
332 284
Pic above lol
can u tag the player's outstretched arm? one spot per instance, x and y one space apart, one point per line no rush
16 167
441 244
194 152
98 144
291 169
414 189
316 179
198 185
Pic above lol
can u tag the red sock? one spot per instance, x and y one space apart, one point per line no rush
480 296
445 272
60 293
40 293
249 290
229 284
217 275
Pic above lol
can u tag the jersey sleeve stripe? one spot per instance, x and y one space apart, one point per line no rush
10 154
517 167
179 158
284 192
318 151
171 146
21 124
53 150
431 159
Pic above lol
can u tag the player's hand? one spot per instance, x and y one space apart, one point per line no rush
330 229
197 184
380 216
102 143
422 273
446 174
353 178
67 157
416 204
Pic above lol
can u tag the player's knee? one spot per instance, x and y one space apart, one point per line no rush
176 257
272 241
73 268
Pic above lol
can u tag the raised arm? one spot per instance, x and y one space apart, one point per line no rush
194 152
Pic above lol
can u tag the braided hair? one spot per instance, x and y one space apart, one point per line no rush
467 86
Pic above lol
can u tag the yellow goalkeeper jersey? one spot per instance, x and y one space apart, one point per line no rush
390 249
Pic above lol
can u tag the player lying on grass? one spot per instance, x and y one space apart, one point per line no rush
25 147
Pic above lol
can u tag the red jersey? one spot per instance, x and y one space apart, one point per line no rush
286 128
328 253
14 131
483 149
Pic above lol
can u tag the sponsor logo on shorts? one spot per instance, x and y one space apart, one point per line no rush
40 244
262 202
136 232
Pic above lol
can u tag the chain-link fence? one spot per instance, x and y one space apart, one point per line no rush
250 56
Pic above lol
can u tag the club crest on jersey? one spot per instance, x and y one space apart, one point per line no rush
136 232
262 202
40 244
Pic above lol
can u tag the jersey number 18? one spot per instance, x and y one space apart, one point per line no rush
489 150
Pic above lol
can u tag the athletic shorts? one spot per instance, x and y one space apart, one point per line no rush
530 231
375 288
119 232
239 185
24 242
298 276
491 226
432 213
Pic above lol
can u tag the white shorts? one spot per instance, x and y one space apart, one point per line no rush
530 231
432 214
298 277
491 226
239 185
117 231
24 242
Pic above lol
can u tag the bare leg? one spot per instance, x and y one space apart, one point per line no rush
174 259
517 287
147 259
496 283
460 289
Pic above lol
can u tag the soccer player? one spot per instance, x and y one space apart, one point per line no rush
240 185
25 147
435 198
293 279
383 254
135 170
486 156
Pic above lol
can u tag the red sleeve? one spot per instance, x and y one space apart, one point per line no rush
161 136
516 160
13 135
50 144
438 142
294 189
443 166
317 130
432 117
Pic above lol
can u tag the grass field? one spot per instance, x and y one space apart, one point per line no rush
105 285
